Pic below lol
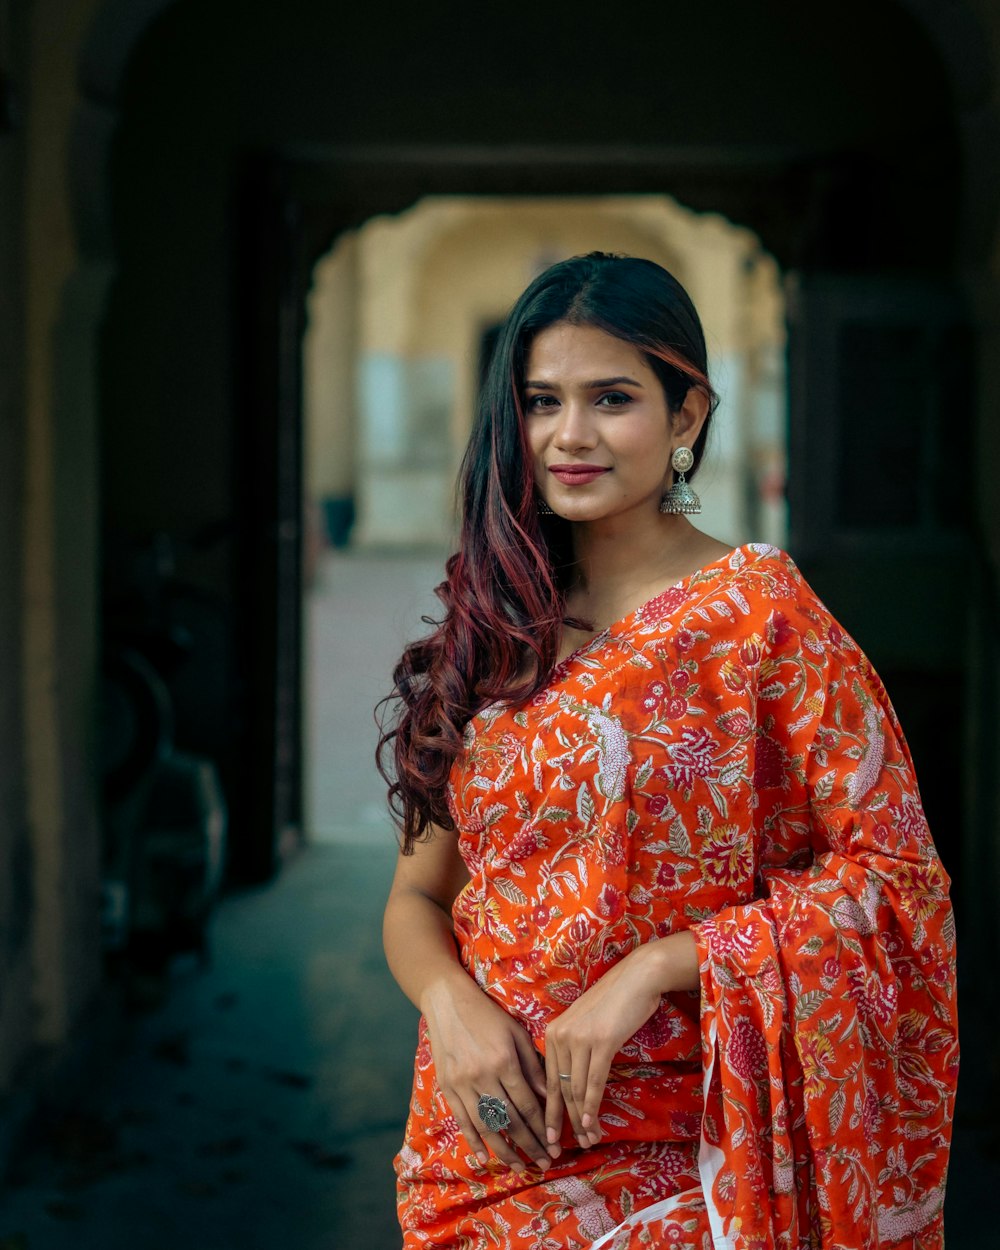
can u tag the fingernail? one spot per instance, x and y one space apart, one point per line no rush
586 1120
552 1135
483 1157
542 1163
594 1138
584 1143
555 1151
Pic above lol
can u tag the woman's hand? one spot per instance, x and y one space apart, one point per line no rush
478 1049
581 1044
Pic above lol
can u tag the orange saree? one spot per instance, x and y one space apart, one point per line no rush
723 759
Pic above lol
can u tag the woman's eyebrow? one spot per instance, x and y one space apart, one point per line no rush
596 385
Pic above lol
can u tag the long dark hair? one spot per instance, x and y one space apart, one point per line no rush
505 588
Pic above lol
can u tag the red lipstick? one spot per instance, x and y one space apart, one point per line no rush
576 474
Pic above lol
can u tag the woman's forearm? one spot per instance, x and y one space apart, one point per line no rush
420 946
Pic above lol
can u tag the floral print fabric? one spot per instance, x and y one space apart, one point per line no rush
724 759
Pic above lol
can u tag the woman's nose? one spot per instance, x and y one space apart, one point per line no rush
575 428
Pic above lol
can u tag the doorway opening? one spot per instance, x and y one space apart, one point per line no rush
400 316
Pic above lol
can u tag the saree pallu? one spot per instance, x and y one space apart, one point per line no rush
723 759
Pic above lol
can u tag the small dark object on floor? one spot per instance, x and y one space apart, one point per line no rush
175 1049
79 1136
294 1080
224 1148
319 1156
199 1189
60 1209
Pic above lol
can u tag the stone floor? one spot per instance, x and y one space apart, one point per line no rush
260 1103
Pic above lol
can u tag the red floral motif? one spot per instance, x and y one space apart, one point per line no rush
692 757
874 999
779 630
610 902
746 1052
770 762
662 605
685 640
653 696
660 1028
734 678
666 876
737 724
727 855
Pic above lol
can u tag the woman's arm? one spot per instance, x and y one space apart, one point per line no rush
582 1042
417 928
477 1047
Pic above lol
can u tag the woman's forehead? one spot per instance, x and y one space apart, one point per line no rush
566 352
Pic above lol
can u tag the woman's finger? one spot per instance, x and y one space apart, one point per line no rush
555 1106
531 1062
572 1064
597 1081
466 1126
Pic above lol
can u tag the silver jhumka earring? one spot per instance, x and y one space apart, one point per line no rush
681 497
543 507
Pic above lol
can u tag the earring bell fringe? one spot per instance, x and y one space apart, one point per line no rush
681 498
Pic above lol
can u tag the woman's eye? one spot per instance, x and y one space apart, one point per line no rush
537 402
615 399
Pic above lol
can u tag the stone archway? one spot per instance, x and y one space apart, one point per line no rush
164 87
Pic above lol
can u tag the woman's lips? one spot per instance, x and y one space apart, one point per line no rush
576 475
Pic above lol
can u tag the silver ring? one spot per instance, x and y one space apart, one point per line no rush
493 1113
565 1076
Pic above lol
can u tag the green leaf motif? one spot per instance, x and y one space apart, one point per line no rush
644 773
678 838
584 804
838 1104
511 892
809 1002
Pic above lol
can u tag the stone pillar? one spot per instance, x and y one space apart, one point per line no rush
329 353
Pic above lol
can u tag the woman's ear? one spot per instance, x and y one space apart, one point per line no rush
688 420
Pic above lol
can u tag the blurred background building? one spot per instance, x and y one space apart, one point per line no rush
251 259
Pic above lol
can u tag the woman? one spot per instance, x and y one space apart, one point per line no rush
666 899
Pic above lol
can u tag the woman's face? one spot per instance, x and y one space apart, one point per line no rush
599 429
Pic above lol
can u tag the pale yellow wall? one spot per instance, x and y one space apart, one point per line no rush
329 355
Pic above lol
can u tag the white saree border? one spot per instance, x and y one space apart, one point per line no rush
641 1219
710 1162
711 1158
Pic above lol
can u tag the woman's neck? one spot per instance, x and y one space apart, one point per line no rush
621 561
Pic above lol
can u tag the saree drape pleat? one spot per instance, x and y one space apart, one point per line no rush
723 759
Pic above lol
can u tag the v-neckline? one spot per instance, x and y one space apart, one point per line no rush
622 622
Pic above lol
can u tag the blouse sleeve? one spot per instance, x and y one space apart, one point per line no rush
828 1019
